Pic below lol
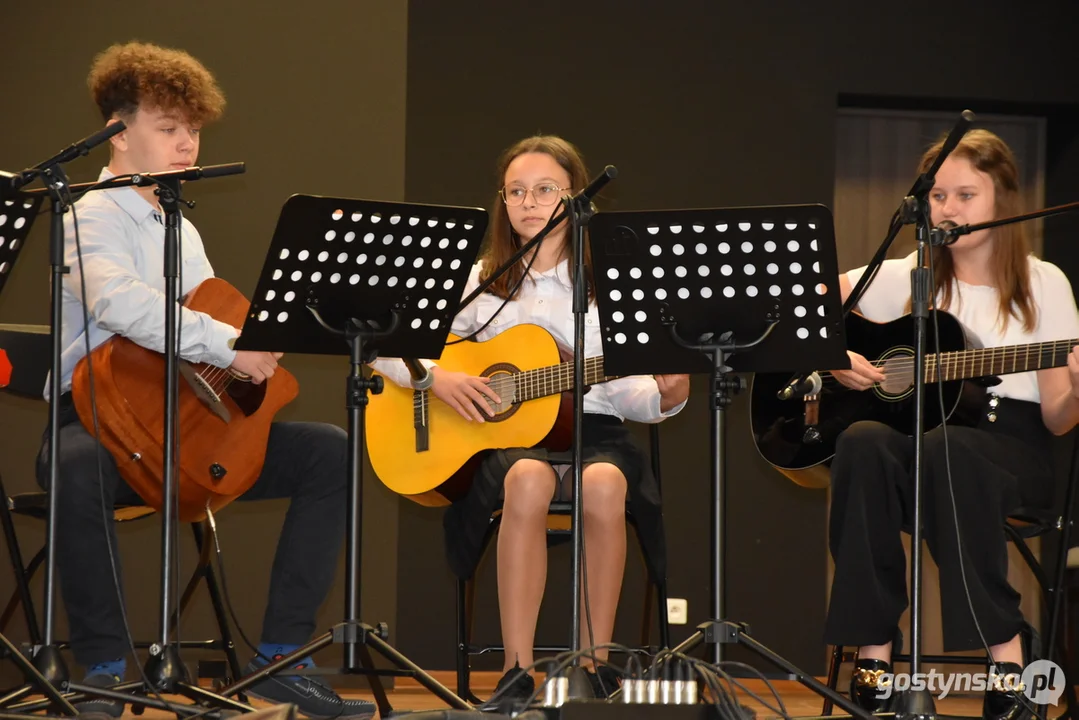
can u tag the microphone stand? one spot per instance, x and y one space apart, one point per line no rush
947 236
580 210
49 664
915 209
164 668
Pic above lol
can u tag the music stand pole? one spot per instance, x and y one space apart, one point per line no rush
360 274
665 281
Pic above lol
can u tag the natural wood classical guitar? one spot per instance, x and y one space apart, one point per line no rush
423 449
223 422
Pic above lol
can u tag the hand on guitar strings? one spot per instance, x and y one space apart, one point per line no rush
464 393
258 366
673 390
862 374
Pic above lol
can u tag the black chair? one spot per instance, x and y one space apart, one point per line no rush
1021 526
559 519
27 352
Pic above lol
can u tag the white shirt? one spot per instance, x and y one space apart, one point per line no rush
977 308
546 299
123 240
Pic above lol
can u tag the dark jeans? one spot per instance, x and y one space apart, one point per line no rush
872 503
305 462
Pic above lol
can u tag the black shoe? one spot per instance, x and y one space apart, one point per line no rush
100 706
513 688
868 689
1007 699
311 696
604 681
1004 699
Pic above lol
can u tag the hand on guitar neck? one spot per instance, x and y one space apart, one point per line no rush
464 393
862 374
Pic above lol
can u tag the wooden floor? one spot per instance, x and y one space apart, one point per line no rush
799 701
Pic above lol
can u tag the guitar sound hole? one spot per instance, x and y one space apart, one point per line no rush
898 375
504 384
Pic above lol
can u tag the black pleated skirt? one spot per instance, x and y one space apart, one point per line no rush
606 439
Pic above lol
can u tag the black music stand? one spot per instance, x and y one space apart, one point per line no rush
361 278
718 291
16 218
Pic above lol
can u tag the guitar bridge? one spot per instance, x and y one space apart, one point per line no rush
205 392
810 418
420 416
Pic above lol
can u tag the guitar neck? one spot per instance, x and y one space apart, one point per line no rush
554 379
966 364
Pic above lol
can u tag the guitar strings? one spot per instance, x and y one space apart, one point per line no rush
537 379
990 354
955 359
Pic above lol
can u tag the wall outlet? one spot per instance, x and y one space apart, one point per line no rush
677 611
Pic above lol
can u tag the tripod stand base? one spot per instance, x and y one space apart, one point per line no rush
45 673
915 705
359 638
164 668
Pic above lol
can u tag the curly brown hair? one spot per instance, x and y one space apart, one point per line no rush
126 76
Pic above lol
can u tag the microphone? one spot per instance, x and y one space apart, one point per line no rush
810 385
422 377
945 233
191 173
12 182
589 193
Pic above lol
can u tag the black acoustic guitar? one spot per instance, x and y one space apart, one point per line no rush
798 436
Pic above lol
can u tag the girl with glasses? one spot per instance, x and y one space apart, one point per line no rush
533 177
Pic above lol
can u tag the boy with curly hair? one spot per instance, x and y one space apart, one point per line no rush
165 97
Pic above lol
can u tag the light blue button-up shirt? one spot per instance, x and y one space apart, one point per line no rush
123 238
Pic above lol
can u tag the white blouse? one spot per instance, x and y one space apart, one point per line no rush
546 299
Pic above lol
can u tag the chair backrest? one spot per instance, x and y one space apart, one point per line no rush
25 353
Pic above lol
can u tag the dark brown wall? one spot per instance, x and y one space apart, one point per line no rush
316 97
698 104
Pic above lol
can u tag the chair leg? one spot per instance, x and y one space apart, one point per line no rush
833 676
20 572
1062 556
466 596
664 619
196 576
646 615
199 530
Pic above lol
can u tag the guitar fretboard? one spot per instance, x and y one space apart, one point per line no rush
966 364
553 379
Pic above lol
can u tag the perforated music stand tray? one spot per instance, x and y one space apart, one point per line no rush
716 271
686 291
363 259
361 278
16 218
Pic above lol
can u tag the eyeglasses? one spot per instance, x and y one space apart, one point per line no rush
544 194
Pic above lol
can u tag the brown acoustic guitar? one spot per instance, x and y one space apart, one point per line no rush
223 421
423 449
